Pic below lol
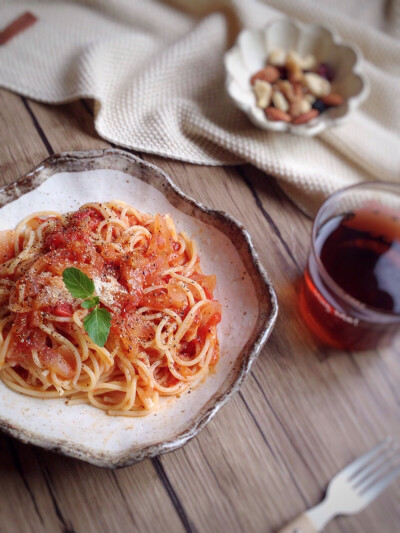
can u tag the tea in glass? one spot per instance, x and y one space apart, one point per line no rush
350 296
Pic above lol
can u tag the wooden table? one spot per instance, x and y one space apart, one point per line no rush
301 415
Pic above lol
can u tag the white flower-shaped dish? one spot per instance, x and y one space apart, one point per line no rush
66 181
251 50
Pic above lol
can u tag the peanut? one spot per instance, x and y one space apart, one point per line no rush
274 115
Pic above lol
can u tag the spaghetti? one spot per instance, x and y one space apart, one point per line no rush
163 336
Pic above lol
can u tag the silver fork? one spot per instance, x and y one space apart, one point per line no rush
353 488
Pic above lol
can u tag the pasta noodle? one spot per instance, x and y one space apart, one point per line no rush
163 336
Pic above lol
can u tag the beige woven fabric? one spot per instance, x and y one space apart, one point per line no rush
157 76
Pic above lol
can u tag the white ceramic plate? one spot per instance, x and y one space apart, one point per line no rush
66 181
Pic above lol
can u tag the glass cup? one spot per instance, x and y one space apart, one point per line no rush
350 293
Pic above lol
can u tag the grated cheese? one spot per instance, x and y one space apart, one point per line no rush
107 290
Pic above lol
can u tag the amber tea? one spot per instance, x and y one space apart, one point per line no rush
350 296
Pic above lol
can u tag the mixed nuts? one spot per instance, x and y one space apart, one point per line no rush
294 89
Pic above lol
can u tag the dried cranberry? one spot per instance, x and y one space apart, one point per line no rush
319 105
283 73
325 70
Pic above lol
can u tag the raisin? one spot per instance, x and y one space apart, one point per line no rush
319 105
283 73
325 70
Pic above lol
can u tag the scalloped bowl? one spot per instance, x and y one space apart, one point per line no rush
249 55
66 181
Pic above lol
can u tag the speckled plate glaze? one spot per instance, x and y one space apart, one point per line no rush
64 182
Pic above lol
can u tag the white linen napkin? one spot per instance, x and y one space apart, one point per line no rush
157 77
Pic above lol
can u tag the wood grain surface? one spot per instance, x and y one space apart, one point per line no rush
302 414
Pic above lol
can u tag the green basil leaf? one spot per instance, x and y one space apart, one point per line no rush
78 283
92 302
97 324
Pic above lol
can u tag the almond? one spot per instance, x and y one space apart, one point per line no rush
276 114
305 117
269 74
333 99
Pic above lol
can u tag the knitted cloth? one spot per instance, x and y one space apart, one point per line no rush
157 76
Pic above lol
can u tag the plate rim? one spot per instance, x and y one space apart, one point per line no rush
222 221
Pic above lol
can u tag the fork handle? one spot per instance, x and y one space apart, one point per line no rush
301 524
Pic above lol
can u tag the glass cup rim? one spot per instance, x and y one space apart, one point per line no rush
377 314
